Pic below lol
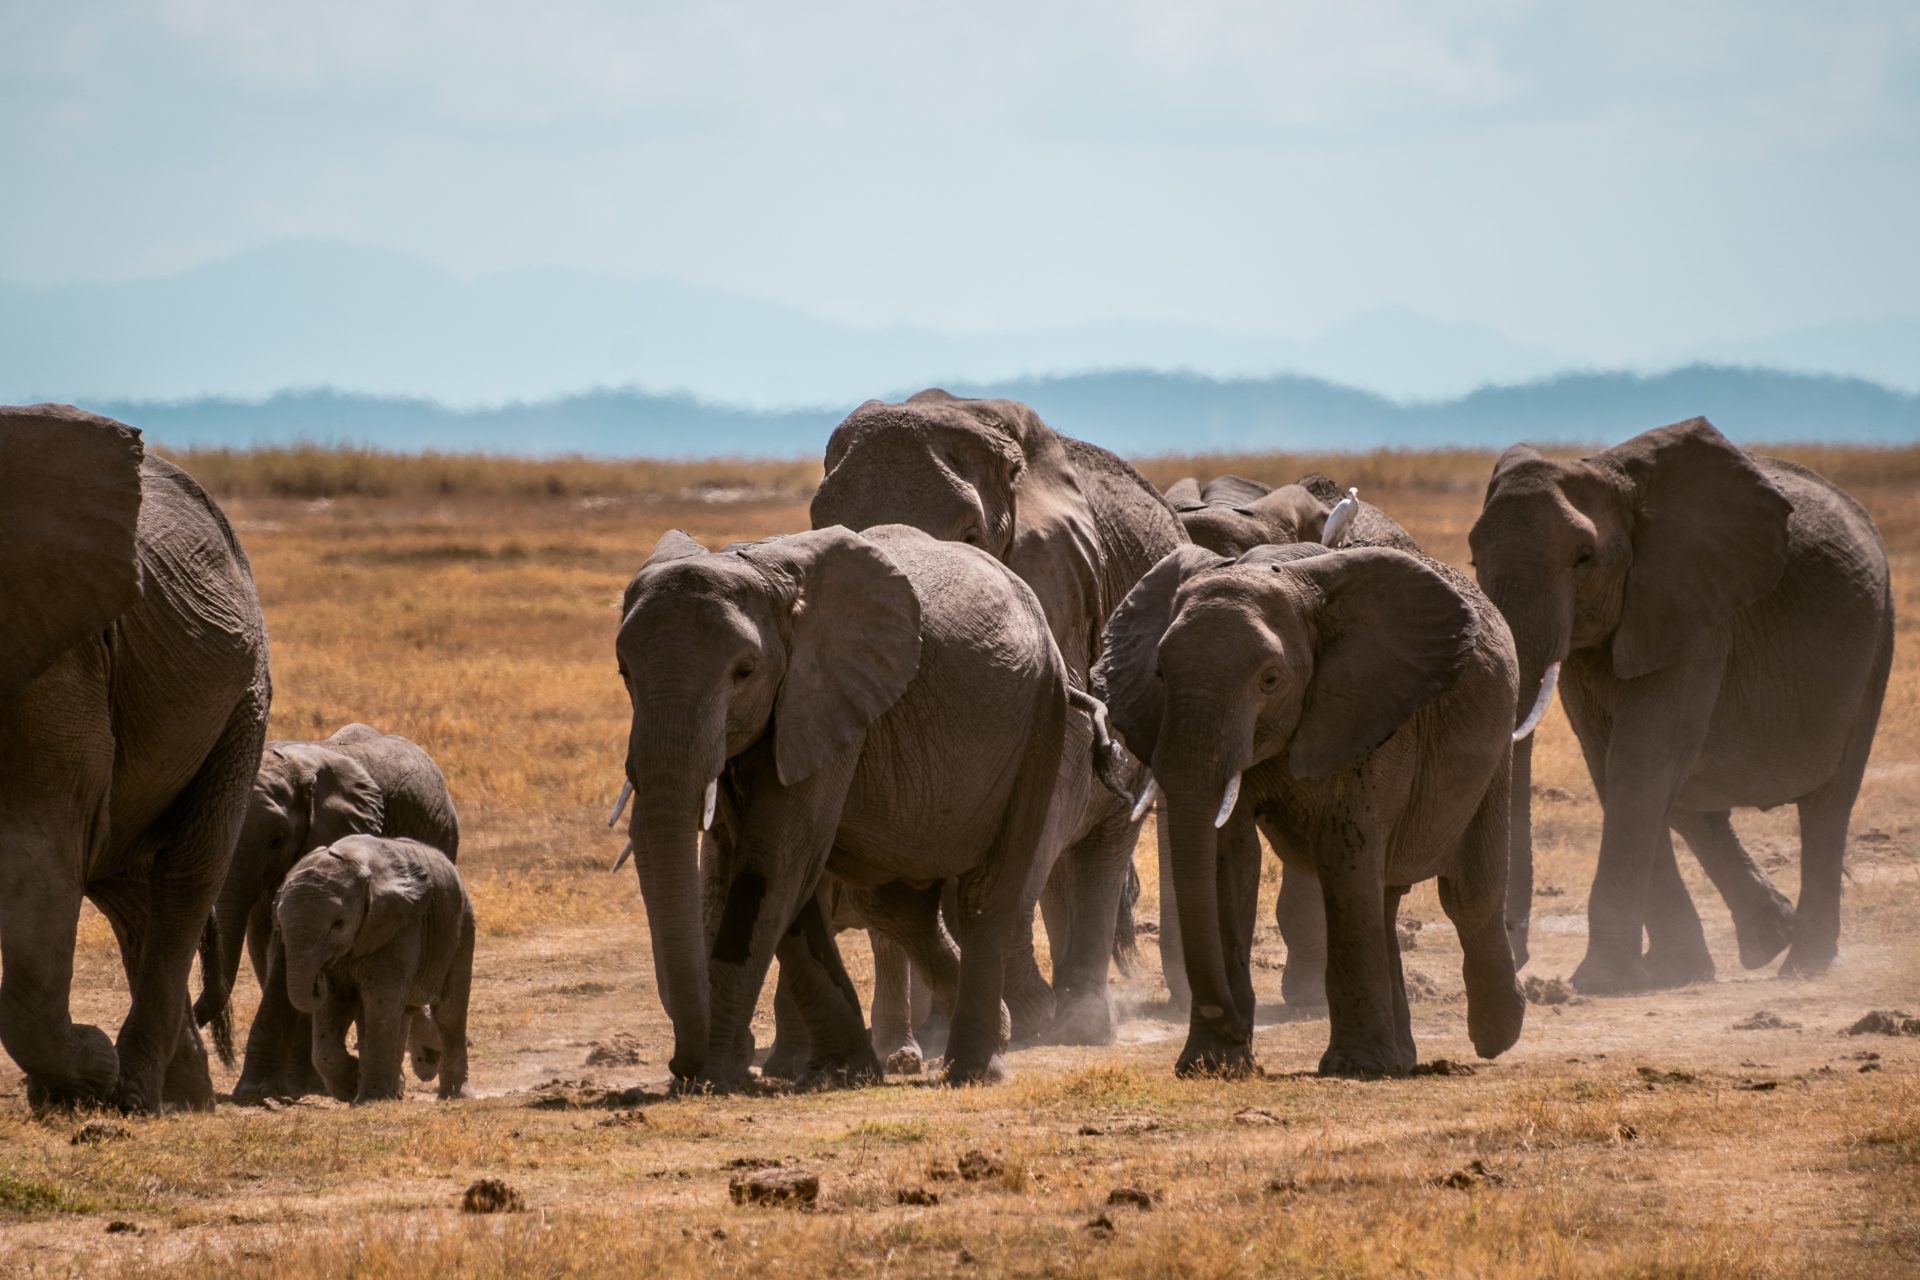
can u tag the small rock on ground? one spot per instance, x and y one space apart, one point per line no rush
1474 1175
1886 1022
1765 1020
1547 991
619 1050
97 1131
1129 1198
490 1195
915 1196
977 1166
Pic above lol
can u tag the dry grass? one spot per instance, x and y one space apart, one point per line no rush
470 604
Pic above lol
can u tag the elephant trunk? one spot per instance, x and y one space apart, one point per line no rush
672 769
1198 772
1541 619
306 954
1520 853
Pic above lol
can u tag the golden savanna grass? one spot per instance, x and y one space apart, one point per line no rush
470 603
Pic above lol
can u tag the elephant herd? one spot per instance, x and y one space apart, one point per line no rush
949 704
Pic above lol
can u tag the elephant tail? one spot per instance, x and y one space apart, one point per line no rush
1126 941
214 1009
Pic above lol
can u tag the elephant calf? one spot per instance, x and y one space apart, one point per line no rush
379 931
1356 706
359 781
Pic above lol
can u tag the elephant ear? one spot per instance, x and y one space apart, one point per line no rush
854 647
1127 676
1290 513
1056 547
1709 538
673 545
1390 635
69 516
1235 491
1184 495
397 888
342 797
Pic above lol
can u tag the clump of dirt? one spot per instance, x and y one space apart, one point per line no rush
905 1062
779 1188
1553 795
1655 1077
1259 1117
1119 1126
490 1195
751 1162
1765 1021
1421 987
978 1166
95 1132
622 1049
1407 933
1283 1185
121 1227
1476 1174
631 1119
915 1196
1129 1198
1886 1022
1099 1227
1442 1067
1548 991
580 1095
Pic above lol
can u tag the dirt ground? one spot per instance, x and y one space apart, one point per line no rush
1727 1128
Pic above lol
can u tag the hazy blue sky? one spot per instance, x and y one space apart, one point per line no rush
1606 179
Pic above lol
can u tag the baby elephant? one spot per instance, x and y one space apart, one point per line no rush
379 931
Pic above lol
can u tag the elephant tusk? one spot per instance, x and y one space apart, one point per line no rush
713 795
1540 703
1227 802
1340 519
619 806
621 861
1147 793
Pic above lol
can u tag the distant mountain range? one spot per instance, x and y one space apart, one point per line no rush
323 313
1137 413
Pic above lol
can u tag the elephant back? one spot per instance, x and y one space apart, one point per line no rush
417 803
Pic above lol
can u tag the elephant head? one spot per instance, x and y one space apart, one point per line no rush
69 510
793 646
304 796
1643 549
1233 515
346 899
985 472
1300 659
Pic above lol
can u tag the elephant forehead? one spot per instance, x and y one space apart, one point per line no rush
711 595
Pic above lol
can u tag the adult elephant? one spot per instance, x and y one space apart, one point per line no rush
887 708
1721 626
1354 706
133 704
1231 516
308 794
1080 526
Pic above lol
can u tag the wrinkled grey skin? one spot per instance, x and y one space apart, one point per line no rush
359 781
884 707
133 703
1080 526
1363 699
1230 517
1725 625
379 932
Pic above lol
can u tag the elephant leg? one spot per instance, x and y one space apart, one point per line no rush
1236 906
449 1012
1823 848
383 1042
826 1000
1676 944
893 1041
1030 998
1173 960
1404 1054
278 1061
792 1044
65 1062
192 842
1475 899
981 1023
187 1084
1301 913
1360 1003
1098 863
1655 736
423 1044
339 1069
1762 916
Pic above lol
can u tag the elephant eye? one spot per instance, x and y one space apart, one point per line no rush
1584 558
339 924
743 672
973 537
1270 679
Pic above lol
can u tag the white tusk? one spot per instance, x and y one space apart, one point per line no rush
713 794
621 861
1340 519
626 789
1227 802
1540 703
1147 793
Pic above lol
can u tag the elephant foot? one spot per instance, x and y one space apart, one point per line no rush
1494 1018
1084 1021
1365 1062
964 1071
1209 1054
1030 1010
1303 983
450 1092
784 1062
1668 968
1809 959
188 1086
91 1080
1765 933
1605 974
